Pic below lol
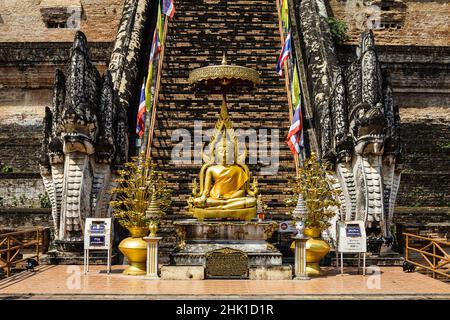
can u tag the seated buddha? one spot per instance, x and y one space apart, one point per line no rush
224 190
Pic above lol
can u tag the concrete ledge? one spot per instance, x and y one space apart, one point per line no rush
270 273
182 273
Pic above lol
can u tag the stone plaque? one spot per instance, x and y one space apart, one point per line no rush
226 263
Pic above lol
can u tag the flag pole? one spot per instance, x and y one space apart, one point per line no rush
286 78
155 96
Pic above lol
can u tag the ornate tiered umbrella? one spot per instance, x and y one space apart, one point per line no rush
224 79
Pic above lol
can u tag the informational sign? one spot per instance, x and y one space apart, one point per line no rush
226 263
97 236
286 226
351 237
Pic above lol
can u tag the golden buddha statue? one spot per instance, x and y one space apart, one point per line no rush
225 190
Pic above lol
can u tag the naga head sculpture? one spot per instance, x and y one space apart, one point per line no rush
367 120
78 119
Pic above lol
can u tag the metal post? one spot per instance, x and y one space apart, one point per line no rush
406 248
359 261
37 245
300 258
434 259
364 263
109 260
337 259
8 256
342 263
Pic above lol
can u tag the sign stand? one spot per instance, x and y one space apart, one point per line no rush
97 236
351 239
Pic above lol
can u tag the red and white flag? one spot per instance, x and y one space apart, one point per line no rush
140 126
168 8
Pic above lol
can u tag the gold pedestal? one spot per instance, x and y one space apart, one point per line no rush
300 258
246 214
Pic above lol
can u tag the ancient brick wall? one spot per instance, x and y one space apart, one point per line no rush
426 178
19 218
27 72
21 190
425 23
22 21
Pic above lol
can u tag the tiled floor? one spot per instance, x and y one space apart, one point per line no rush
70 282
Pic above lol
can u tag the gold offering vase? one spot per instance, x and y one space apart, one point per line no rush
135 249
316 249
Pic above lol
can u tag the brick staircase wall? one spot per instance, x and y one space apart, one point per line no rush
197 36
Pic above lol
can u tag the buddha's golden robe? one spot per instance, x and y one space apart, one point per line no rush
230 180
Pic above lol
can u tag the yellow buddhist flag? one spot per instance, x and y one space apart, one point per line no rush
295 88
156 48
148 87
159 24
285 13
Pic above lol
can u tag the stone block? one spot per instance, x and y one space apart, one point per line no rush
182 273
271 273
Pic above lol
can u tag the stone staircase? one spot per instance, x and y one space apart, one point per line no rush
197 36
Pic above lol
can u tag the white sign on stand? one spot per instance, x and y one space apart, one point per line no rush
351 238
97 236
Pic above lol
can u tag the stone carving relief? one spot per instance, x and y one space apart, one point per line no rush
357 124
81 131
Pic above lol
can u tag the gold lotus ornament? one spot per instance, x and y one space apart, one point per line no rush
314 184
140 197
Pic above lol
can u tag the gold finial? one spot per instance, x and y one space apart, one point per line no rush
224 110
224 58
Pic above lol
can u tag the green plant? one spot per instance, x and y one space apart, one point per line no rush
5 168
418 193
14 201
444 145
314 183
338 30
139 184
44 199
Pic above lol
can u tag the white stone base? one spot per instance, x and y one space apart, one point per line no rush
270 273
182 273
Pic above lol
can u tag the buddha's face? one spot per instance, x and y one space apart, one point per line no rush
221 156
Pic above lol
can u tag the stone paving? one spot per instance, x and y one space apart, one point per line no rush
69 282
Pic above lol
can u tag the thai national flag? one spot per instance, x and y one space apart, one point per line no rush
285 52
141 112
156 46
168 8
295 135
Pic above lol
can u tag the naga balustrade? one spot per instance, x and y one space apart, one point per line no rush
13 243
433 252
